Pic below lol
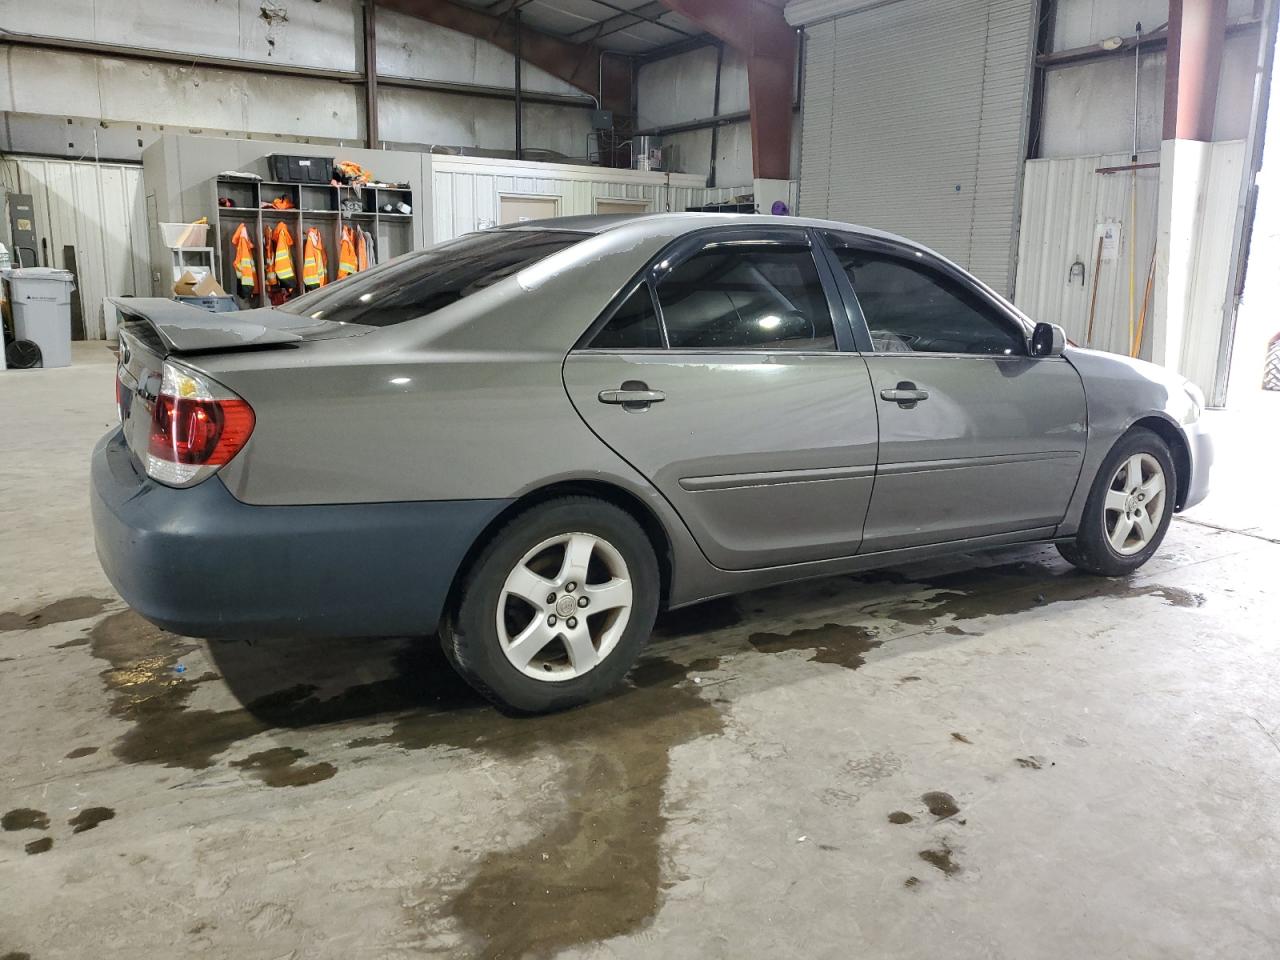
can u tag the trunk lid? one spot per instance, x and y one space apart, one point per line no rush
153 329
182 328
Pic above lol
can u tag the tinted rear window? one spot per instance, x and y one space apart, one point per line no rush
424 281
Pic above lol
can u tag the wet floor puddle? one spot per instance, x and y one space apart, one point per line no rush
596 871
60 611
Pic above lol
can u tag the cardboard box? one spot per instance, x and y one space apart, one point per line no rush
192 284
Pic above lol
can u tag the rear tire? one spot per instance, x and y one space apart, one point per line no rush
1129 508
556 608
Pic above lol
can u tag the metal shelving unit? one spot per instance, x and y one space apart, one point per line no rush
314 205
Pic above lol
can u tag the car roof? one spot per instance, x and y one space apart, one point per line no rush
675 224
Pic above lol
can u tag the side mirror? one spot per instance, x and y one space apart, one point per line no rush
1048 340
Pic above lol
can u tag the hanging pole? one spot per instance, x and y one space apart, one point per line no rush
1133 184
519 96
370 76
1093 297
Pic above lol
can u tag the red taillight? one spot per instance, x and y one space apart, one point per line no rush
197 425
204 433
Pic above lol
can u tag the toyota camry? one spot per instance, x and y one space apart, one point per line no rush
529 440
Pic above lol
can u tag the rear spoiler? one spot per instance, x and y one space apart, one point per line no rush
187 329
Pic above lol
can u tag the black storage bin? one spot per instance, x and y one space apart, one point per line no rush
293 169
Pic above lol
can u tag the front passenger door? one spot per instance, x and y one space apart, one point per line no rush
719 376
977 438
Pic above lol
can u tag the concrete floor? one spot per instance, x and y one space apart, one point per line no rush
989 758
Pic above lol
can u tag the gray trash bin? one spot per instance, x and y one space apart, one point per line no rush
41 301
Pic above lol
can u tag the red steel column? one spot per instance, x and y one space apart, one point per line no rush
1197 30
757 30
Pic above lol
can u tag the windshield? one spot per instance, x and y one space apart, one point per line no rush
424 281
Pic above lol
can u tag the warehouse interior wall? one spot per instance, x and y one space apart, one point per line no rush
679 91
1186 220
96 209
44 108
914 121
1088 106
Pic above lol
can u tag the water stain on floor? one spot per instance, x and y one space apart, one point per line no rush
43 845
1010 588
148 693
60 611
900 816
596 871
941 857
602 862
836 643
278 767
79 752
960 738
941 805
89 818
25 818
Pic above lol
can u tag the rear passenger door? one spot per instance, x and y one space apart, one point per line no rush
977 438
720 375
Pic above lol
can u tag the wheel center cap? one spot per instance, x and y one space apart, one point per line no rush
566 605
1131 504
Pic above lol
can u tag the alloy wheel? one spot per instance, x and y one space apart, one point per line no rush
564 606
1135 504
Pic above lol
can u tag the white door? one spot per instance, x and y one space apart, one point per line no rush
604 205
520 209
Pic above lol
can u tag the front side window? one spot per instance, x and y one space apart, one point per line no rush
424 281
913 308
743 295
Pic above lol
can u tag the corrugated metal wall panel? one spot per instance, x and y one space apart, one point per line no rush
1211 281
815 124
1006 91
924 124
99 210
1063 203
802 12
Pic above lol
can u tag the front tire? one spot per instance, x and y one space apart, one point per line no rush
556 608
1129 508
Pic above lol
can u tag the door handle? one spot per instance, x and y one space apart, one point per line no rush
632 395
906 393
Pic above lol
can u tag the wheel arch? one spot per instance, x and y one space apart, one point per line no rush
1172 435
603 490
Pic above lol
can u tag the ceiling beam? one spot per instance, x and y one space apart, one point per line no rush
579 64
645 13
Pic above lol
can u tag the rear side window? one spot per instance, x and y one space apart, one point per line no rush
913 308
424 281
746 296
633 327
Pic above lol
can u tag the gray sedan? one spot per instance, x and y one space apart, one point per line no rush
529 440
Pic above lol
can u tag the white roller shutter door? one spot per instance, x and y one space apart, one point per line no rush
914 122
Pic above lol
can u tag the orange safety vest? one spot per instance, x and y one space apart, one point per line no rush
362 251
243 266
315 264
282 254
347 262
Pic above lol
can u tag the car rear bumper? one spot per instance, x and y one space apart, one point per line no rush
201 563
